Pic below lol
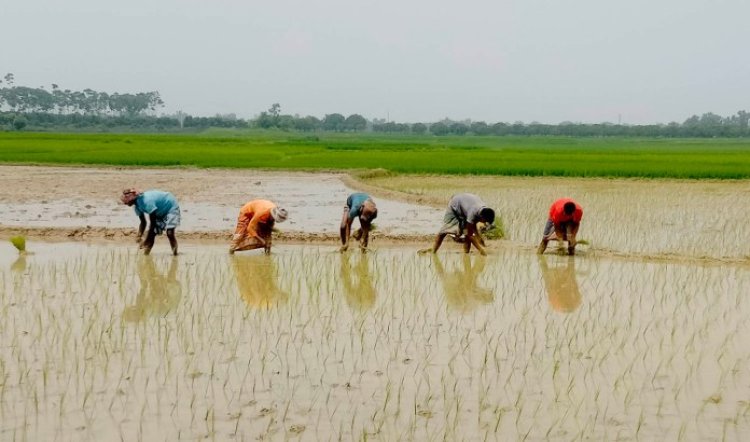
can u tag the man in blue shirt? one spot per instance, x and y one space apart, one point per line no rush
358 205
163 213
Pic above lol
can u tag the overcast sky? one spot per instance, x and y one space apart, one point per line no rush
644 61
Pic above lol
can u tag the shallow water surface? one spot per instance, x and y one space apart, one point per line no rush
41 197
101 343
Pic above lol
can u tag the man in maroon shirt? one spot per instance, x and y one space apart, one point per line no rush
562 225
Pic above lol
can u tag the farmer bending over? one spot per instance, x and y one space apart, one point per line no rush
465 210
358 205
562 225
255 226
163 214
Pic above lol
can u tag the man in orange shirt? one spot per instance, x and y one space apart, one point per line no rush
562 225
255 225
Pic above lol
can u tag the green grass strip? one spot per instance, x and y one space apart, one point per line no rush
532 156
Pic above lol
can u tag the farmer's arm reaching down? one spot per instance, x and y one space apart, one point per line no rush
141 228
252 229
572 237
472 237
151 235
365 240
345 230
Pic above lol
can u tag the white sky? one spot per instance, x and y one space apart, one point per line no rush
648 61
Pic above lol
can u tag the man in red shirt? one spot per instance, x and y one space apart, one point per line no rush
564 219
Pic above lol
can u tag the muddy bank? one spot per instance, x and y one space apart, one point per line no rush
76 197
361 182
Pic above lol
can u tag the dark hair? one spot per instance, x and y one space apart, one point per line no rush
368 216
569 208
487 214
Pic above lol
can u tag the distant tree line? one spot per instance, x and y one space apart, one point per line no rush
63 109
22 99
707 125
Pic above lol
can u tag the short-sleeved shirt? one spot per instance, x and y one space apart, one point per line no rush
254 217
557 212
354 203
466 207
156 202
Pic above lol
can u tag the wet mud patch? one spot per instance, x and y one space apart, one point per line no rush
78 197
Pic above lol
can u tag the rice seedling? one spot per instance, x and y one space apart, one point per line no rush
652 350
642 218
495 230
19 242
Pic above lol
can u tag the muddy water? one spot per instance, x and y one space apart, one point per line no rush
313 208
61 197
100 343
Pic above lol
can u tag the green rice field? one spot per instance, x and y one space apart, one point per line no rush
530 156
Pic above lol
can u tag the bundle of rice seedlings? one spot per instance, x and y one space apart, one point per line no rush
492 231
19 242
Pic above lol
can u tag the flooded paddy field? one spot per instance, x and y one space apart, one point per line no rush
643 217
101 343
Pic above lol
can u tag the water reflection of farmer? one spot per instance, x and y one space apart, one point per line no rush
358 285
462 291
561 284
257 280
19 268
158 294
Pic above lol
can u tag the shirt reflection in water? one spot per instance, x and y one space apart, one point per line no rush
462 290
159 293
358 283
257 281
560 283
